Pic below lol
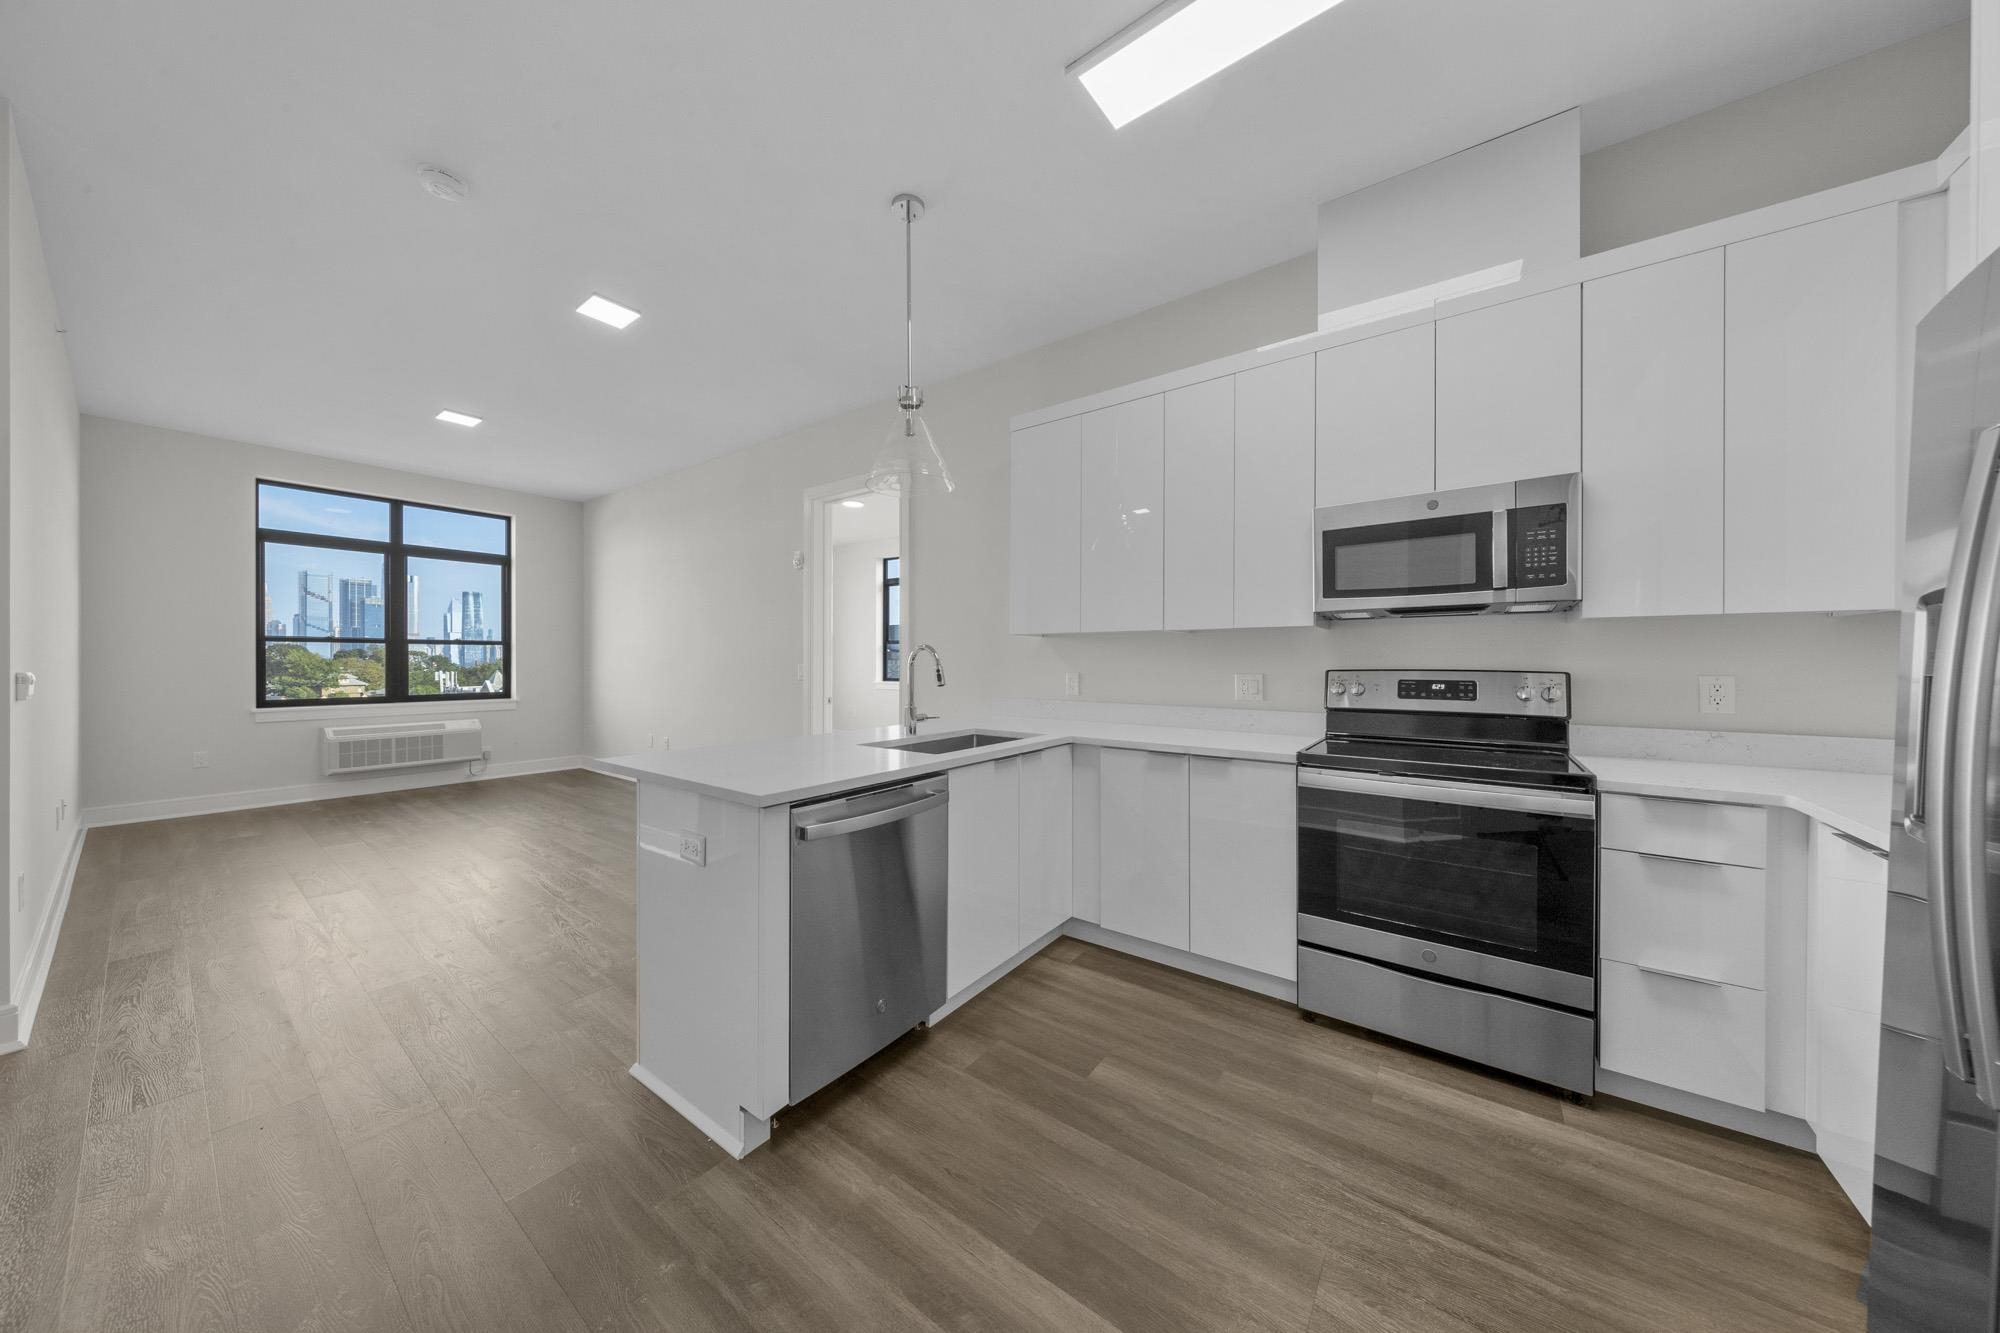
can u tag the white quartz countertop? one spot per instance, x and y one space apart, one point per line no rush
786 769
1857 804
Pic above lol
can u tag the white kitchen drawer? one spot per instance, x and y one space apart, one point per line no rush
1694 917
1845 858
1699 1036
1692 830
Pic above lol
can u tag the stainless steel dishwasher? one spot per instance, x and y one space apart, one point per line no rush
868 932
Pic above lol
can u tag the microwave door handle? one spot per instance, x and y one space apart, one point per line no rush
1502 575
1939 746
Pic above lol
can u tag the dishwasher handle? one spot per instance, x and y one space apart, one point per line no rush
836 827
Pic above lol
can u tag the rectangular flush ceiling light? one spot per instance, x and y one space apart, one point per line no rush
607 312
458 418
1179 44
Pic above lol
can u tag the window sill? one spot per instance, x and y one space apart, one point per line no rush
360 714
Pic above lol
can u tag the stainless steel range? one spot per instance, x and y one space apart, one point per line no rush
1448 869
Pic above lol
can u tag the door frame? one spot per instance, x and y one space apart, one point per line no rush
816 564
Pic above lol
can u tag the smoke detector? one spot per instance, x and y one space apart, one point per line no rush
441 184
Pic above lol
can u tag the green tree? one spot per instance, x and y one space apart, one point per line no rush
294 671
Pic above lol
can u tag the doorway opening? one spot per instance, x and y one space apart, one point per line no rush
857 604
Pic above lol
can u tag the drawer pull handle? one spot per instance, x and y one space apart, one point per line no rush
1905 1032
1853 841
1678 860
1677 976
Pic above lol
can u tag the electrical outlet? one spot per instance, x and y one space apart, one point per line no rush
649 740
1072 684
664 742
1718 694
1250 687
201 759
694 849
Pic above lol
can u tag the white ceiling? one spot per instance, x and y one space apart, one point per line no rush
879 518
240 247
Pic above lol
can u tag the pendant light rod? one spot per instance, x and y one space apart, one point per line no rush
911 208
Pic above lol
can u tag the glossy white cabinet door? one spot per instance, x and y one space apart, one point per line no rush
1652 440
1045 531
982 871
1201 503
1243 838
1812 417
1510 392
1143 845
1699 1036
1377 418
1274 488
1046 843
1696 918
1123 494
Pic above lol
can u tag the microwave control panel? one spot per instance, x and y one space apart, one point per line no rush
1538 545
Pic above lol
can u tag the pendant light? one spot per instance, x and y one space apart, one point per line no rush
908 454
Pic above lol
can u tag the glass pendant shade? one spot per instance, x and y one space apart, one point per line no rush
908 455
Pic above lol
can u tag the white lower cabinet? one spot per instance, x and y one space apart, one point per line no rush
1848 914
1243 864
1046 843
982 871
1686 1032
1143 845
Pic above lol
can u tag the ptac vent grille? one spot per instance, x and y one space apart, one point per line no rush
381 751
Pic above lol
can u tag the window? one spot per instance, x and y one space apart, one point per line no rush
892 619
363 600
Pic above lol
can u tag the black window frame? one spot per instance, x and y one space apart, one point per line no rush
892 661
396 555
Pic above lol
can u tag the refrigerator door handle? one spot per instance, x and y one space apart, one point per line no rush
1964 800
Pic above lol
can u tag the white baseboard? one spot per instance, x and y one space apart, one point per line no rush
754 1132
17 1017
1230 974
179 807
599 767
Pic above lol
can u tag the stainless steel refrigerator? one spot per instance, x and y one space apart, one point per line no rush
1931 1263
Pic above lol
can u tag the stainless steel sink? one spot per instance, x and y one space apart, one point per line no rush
964 740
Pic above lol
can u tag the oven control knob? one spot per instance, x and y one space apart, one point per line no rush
1358 690
1336 688
1524 694
1552 693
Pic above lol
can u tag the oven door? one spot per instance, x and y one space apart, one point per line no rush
1495 886
1440 563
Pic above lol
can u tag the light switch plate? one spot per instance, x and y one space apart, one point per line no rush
1072 684
1718 694
1250 687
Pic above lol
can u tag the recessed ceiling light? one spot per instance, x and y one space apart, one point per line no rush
459 418
850 504
607 312
1179 44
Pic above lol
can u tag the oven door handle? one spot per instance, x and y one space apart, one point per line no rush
1452 793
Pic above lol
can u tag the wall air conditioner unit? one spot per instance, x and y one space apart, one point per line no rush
400 745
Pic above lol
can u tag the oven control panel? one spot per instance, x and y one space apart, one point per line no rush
1507 693
1458 691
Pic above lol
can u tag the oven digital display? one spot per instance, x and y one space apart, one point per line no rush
1456 691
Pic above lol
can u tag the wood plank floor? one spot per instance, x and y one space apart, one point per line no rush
361 1065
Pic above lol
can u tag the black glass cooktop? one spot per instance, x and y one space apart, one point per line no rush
1506 765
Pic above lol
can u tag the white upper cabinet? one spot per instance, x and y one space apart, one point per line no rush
1044 529
1123 494
1377 418
1243 839
1201 505
1509 391
1653 440
1274 490
1143 845
1812 421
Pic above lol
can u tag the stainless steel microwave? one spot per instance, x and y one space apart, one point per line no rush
1483 550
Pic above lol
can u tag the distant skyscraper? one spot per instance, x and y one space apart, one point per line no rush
450 629
355 596
274 627
416 627
316 613
374 621
471 625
